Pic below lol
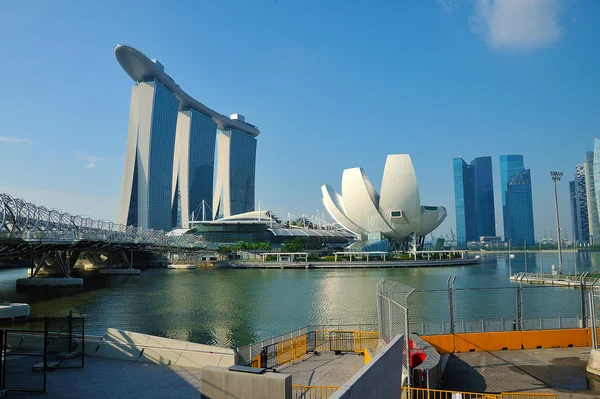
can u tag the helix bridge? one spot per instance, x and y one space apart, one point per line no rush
49 235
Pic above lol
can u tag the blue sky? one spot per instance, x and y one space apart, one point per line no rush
330 84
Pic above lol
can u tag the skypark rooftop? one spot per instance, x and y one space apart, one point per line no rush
141 69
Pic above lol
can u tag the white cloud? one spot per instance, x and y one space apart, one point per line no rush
517 24
447 5
15 140
90 160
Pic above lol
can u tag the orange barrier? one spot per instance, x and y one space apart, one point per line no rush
492 341
550 339
510 340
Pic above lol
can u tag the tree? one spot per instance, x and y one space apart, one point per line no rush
223 250
296 245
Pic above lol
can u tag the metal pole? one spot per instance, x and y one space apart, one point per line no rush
541 264
525 245
556 177
582 286
593 317
509 262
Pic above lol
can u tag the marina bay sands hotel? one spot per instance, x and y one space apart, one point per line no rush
169 162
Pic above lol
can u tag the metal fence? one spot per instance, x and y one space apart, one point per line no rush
393 316
31 346
517 308
248 353
426 393
24 360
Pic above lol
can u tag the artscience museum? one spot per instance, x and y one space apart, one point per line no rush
393 217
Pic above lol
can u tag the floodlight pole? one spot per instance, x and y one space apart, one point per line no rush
556 177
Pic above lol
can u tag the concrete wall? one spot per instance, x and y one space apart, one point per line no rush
126 345
220 383
381 378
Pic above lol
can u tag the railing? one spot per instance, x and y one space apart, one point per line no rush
313 391
424 393
289 350
483 325
250 352
21 220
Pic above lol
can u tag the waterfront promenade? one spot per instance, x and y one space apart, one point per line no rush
350 265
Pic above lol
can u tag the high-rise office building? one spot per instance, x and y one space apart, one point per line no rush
474 200
169 162
583 232
519 209
517 201
146 189
236 164
595 222
590 191
509 165
573 202
193 167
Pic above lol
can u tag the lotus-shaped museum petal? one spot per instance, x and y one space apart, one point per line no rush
396 213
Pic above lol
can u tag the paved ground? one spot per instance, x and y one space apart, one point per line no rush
325 369
559 371
108 378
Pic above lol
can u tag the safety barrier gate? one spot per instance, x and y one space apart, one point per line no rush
291 349
424 393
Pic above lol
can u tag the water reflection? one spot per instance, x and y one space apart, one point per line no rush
236 307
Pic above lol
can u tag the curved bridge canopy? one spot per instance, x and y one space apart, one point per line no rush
24 221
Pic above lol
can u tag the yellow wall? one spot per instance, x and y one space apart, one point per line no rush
510 340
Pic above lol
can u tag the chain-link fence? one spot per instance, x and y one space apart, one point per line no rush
516 308
393 316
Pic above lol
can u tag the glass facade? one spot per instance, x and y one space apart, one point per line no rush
200 168
203 133
474 200
160 166
484 196
509 166
573 202
464 201
242 167
519 210
583 232
594 166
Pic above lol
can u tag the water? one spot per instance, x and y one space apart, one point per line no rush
236 307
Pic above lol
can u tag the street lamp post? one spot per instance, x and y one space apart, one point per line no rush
556 177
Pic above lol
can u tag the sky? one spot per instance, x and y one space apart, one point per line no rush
330 84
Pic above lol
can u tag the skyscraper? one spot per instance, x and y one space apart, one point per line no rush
146 189
583 231
193 167
596 178
574 220
169 162
236 164
474 200
590 191
517 202
519 209
464 202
